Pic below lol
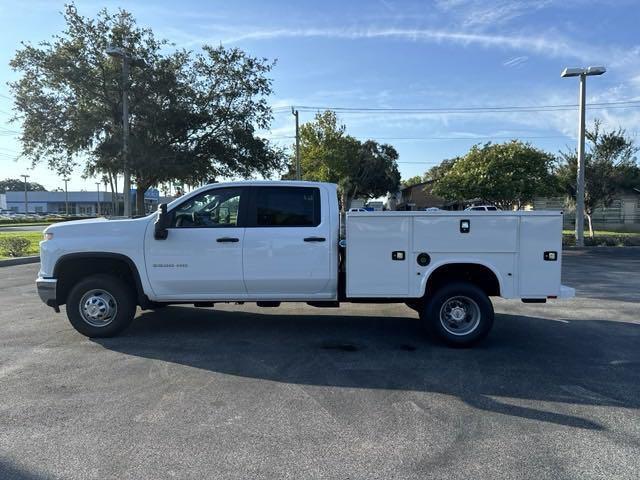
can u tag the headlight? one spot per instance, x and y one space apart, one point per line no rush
47 236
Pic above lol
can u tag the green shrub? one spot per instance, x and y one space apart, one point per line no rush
613 240
14 246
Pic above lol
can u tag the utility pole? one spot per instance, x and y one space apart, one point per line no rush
296 114
66 196
26 201
98 186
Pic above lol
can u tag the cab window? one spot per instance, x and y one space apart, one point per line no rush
211 209
286 207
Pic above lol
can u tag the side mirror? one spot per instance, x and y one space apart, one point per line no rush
160 231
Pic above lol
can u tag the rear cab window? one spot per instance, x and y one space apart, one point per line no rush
285 207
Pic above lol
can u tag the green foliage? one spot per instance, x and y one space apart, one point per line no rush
192 116
507 174
610 165
600 239
14 246
415 180
438 171
17 184
363 169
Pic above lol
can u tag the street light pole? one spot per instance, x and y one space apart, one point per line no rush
66 196
26 201
580 167
121 54
583 73
125 136
98 187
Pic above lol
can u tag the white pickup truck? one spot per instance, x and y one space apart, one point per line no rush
272 242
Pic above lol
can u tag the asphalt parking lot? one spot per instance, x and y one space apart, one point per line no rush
238 392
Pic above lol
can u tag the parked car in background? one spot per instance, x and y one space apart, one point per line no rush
432 209
483 208
358 210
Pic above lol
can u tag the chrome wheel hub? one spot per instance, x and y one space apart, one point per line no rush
98 308
460 315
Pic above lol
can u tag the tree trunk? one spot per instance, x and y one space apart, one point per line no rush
590 224
345 199
114 204
140 200
117 199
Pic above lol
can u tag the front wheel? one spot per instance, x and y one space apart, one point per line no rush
460 314
100 306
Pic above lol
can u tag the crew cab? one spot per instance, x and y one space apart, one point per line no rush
272 242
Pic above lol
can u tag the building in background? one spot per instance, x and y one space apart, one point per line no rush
80 203
414 197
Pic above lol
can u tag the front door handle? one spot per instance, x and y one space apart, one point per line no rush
314 239
227 240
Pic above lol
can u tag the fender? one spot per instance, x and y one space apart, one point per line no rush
453 261
141 296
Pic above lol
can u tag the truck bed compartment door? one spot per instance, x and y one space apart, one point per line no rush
540 257
378 251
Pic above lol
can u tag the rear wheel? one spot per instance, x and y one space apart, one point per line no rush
460 314
101 306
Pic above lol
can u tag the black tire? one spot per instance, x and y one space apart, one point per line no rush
100 295
470 303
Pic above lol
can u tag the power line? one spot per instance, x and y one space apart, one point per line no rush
496 137
462 110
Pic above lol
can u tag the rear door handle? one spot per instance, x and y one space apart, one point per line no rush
314 239
227 240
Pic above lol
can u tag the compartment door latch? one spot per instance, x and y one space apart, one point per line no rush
399 255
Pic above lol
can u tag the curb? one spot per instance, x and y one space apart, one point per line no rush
19 261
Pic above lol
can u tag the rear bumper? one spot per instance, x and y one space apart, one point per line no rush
567 292
47 290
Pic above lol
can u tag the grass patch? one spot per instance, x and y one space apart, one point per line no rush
34 242
24 224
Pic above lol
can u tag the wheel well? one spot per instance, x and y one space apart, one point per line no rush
71 270
479 275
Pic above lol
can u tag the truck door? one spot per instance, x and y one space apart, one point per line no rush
201 257
287 244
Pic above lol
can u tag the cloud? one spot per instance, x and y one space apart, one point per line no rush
550 45
554 46
482 13
515 61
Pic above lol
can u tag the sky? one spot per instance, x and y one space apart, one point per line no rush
440 55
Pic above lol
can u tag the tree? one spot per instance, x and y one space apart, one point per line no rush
610 165
192 116
373 174
415 180
438 171
508 174
327 154
17 184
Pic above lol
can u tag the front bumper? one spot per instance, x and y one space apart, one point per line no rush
47 290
